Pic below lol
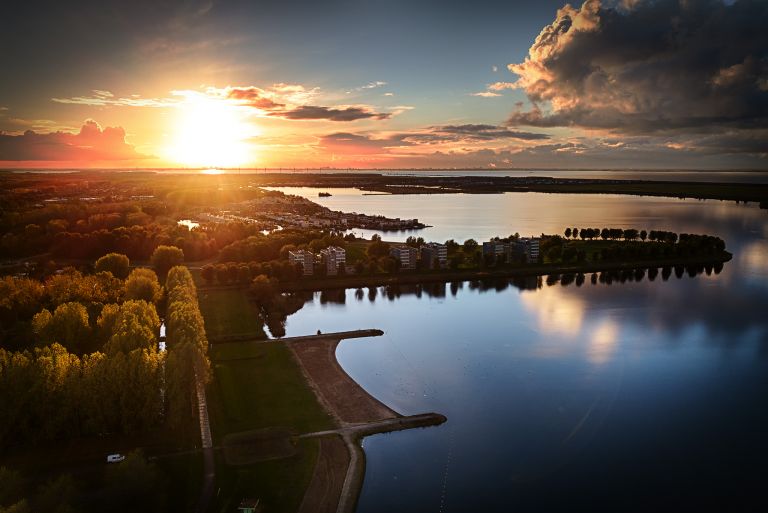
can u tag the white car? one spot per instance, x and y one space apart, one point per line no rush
115 458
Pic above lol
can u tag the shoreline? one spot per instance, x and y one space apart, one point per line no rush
410 278
356 414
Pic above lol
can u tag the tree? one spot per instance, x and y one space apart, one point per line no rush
42 327
470 245
643 235
135 327
165 257
377 249
115 263
630 234
69 327
142 284
208 273
567 232
262 289
575 233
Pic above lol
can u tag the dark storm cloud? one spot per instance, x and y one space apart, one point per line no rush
91 143
649 65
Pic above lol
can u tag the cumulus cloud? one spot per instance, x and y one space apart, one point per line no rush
91 143
647 66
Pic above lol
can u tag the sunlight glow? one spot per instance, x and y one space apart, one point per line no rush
211 133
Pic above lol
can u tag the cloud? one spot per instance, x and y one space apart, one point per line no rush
342 113
365 143
500 86
469 133
91 143
102 98
286 101
649 65
357 144
486 94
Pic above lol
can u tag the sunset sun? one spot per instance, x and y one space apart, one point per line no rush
210 132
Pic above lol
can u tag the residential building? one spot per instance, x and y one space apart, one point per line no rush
305 258
333 257
513 250
434 252
531 248
406 255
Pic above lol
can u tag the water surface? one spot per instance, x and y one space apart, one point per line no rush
637 396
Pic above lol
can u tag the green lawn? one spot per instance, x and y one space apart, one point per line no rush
265 390
258 385
229 312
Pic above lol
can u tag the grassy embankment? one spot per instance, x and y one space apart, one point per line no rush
257 386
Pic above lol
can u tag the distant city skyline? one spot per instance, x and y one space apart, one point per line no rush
624 84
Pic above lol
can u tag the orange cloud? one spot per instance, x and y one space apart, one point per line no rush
91 143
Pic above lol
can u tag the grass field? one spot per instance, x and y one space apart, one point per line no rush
229 312
258 385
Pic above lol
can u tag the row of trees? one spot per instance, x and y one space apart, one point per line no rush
187 346
620 233
244 273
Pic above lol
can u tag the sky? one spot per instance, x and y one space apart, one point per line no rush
611 84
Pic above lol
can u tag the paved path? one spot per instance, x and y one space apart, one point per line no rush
209 468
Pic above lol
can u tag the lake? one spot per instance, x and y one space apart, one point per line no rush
636 396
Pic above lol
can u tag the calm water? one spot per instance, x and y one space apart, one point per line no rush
641 396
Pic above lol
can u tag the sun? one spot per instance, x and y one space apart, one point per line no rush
210 132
